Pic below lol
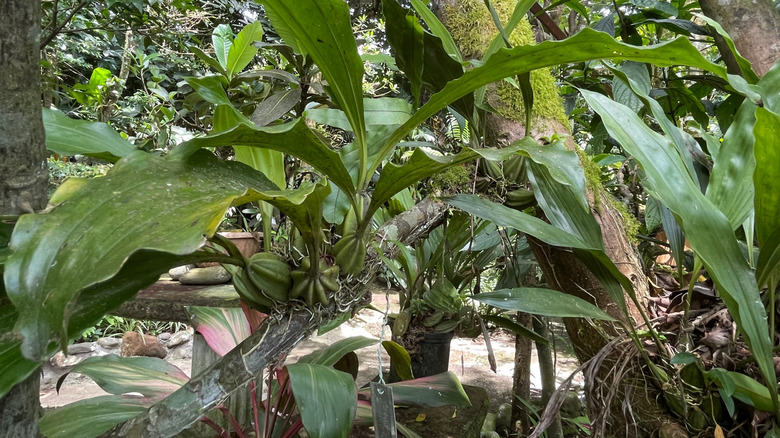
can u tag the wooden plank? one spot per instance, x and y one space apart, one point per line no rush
165 301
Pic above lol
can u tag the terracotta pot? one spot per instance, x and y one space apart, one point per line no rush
246 242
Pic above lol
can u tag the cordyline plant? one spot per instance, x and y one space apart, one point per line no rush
151 213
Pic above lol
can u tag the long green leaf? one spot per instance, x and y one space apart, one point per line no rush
222 38
242 51
92 417
440 390
150 376
708 230
402 362
142 269
545 302
95 139
437 28
406 37
518 329
731 180
222 329
293 138
46 270
507 217
322 30
330 355
584 46
326 399
766 178
422 164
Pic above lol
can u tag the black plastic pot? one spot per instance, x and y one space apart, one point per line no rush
433 357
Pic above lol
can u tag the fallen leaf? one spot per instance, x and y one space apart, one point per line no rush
420 418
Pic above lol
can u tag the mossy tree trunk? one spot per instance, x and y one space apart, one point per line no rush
23 171
473 29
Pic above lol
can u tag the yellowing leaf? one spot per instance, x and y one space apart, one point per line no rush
719 432
420 418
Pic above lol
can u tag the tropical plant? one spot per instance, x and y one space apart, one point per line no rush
315 393
50 297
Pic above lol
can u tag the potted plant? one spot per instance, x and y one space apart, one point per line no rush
434 279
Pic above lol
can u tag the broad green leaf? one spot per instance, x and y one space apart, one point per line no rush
565 206
269 162
322 30
275 107
211 88
326 399
222 39
405 36
293 138
402 362
506 217
211 62
438 66
545 302
378 112
46 271
13 367
222 329
516 328
584 46
750 391
443 296
330 355
707 228
150 376
622 93
766 178
422 164
562 164
676 237
242 51
440 390
303 206
437 28
92 417
67 136
641 90
142 269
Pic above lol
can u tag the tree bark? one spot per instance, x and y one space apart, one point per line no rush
23 171
753 25
561 267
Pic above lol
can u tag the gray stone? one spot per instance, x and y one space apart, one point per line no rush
60 360
164 336
109 343
210 275
183 351
81 348
178 271
179 338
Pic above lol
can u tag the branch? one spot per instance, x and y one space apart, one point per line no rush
270 341
45 41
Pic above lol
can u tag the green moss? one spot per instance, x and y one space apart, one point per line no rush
473 29
630 223
547 101
456 179
592 177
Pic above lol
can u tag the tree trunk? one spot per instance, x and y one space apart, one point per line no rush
23 171
472 28
753 25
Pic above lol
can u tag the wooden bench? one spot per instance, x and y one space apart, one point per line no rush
166 301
